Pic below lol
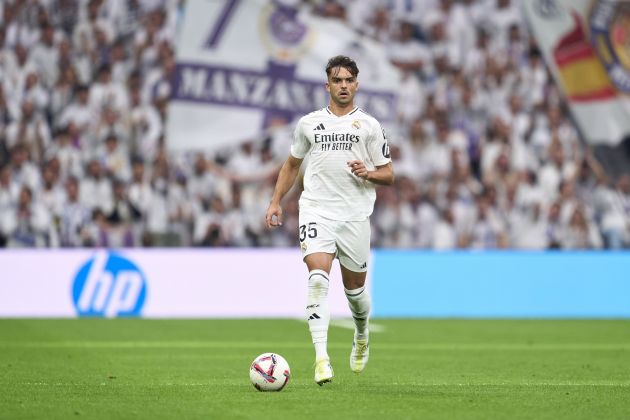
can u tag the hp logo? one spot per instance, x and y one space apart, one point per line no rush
109 285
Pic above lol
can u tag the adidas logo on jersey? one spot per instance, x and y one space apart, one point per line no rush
364 265
320 127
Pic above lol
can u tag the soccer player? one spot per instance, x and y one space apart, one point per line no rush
348 156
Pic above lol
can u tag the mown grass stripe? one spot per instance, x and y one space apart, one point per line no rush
414 384
307 345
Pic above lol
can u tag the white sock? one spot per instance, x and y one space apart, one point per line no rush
317 311
360 304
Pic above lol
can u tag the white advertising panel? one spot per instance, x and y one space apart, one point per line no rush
178 283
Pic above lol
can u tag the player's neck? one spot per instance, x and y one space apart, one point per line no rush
340 110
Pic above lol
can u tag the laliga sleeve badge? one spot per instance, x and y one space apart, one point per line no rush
385 150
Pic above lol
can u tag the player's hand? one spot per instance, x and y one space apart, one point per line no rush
358 168
273 218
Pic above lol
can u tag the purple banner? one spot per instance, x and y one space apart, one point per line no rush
274 90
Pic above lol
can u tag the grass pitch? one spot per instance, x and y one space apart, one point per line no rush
429 369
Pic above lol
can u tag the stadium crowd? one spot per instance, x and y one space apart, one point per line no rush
484 152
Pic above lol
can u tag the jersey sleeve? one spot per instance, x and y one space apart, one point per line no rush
378 147
300 145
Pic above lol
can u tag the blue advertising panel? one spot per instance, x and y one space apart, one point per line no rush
501 284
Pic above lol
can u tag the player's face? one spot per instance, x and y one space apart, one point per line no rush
342 86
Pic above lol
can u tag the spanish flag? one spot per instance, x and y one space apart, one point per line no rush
582 75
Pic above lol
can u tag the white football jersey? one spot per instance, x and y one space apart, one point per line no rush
330 142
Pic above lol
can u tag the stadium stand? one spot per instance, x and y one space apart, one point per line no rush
485 153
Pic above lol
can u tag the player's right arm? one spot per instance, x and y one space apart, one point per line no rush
286 179
288 174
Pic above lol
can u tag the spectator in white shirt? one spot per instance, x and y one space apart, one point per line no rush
531 230
149 37
411 99
23 170
74 217
78 112
115 158
140 190
45 55
439 151
201 184
554 171
89 18
28 224
180 210
9 189
30 130
616 213
22 28
580 233
104 92
5 118
145 126
69 157
110 121
533 79
123 219
208 229
157 82
51 194
427 218
444 232
121 65
488 230
505 14
406 52
32 90
412 10
95 190
62 93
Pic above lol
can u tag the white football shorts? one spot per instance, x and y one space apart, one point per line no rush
349 241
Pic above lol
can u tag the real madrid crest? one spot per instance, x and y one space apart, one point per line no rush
284 36
609 24
356 124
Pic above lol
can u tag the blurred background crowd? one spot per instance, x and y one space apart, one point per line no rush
485 153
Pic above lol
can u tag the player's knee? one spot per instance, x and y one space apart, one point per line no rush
318 281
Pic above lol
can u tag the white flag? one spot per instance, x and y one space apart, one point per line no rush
586 44
243 66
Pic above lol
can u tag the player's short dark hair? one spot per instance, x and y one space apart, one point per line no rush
342 61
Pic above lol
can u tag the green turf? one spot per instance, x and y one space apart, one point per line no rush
429 369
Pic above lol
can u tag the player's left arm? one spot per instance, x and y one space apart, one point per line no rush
382 175
380 156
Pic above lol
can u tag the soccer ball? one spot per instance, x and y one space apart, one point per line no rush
269 372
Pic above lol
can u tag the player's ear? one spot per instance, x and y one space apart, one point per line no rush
327 85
